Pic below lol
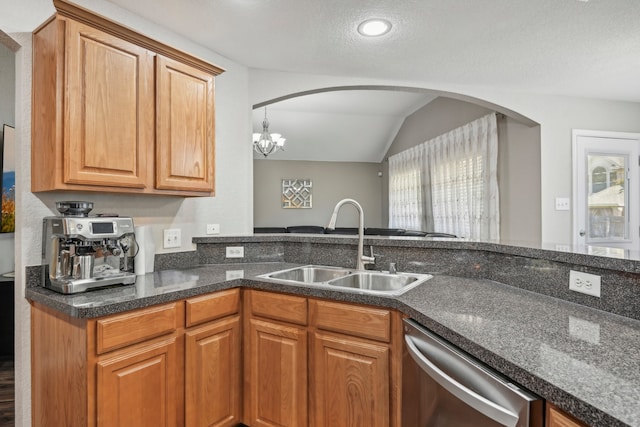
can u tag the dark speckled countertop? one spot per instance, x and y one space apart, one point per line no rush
584 360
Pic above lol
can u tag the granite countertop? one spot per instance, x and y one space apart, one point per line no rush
581 359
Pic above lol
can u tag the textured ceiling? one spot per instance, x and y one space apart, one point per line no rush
551 46
581 48
568 47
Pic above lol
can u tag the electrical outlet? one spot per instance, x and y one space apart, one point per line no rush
213 228
172 238
235 251
584 283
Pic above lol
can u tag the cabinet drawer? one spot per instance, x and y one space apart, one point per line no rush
213 306
365 322
129 328
287 308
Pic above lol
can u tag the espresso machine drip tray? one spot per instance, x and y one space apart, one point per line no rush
73 286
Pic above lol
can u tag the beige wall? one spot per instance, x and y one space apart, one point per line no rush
332 181
518 162
437 117
519 182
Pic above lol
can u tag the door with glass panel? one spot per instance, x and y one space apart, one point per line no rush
606 183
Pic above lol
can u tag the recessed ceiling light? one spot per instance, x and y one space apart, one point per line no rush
374 27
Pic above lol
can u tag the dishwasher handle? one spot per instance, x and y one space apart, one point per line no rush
479 403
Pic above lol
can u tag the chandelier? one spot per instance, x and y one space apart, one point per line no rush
266 143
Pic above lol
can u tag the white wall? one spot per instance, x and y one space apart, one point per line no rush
557 115
7 116
332 182
232 207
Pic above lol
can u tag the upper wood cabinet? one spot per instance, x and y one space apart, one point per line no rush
116 111
184 151
108 122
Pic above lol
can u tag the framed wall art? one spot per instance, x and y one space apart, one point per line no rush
8 180
297 194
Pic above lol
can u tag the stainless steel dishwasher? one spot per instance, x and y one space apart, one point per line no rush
442 386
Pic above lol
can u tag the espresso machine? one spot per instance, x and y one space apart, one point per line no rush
82 252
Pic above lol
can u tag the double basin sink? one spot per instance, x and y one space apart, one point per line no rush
366 282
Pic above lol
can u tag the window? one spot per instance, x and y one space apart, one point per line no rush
598 179
449 184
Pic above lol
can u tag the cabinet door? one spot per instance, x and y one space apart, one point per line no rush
139 387
349 382
108 131
185 127
276 374
212 374
557 418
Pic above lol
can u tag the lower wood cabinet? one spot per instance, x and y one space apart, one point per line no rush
139 387
213 374
350 382
222 359
168 365
275 359
311 362
555 417
276 374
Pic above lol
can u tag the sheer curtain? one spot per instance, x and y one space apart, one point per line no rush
408 190
457 187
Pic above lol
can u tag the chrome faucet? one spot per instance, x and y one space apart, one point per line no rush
362 259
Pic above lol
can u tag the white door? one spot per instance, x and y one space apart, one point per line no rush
606 189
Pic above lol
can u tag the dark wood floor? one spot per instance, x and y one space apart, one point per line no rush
7 397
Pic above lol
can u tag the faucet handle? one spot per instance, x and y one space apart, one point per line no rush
392 268
371 252
367 260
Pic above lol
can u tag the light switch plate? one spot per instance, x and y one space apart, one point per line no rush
172 238
563 203
213 228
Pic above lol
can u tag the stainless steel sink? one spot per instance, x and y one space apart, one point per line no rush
366 282
310 274
377 281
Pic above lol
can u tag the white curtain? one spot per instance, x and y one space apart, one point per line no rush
458 185
408 191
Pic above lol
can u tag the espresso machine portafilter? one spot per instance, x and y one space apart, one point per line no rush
82 252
